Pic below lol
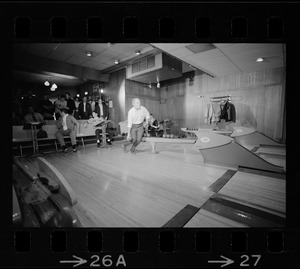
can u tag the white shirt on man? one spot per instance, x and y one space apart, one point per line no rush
84 107
93 105
101 108
137 116
65 127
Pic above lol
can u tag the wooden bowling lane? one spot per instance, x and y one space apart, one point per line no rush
207 219
246 200
272 150
261 192
115 189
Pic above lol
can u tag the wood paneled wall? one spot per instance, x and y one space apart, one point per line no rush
258 98
115 88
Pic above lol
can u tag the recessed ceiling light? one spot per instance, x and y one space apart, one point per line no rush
260 59
86 93
137 52
101 90
89 54
116 61
47 83
77 95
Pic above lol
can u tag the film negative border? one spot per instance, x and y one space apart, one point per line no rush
102 22
128 22
171 248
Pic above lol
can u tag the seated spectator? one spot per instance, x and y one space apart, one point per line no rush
66 126
97 122
59 104
47 108
102 110
84 109
32 116
153 126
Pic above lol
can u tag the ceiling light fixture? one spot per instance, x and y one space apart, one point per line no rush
54 86
137 52
117 62
89 54
77 95
47 83
158 85
86 93
101 90
260 59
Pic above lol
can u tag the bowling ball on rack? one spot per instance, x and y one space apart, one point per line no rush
148 135
172 136
164 136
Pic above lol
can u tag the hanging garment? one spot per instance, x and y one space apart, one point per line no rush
212 113
208 113
228 112
216 112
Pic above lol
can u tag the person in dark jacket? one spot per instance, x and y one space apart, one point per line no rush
70 104
153 125
84 110
102 111
47 108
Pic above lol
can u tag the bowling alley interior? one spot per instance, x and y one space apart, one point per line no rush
164 135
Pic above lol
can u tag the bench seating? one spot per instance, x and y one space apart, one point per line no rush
23 138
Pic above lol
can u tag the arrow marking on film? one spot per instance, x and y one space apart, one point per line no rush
78 261
225 262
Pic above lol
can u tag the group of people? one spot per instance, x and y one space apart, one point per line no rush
67 111
30 107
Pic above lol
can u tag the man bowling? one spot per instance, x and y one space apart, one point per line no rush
136 117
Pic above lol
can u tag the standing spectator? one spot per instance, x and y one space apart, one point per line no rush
66 126
33 116
85 109
76 107
93 102
30 101
16 120
70 104
47 108
17 104
59 104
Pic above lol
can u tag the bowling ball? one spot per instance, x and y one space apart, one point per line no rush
172 136
145 134
168 136
148 135
164 136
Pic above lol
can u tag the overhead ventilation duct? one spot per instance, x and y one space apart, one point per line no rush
154 68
